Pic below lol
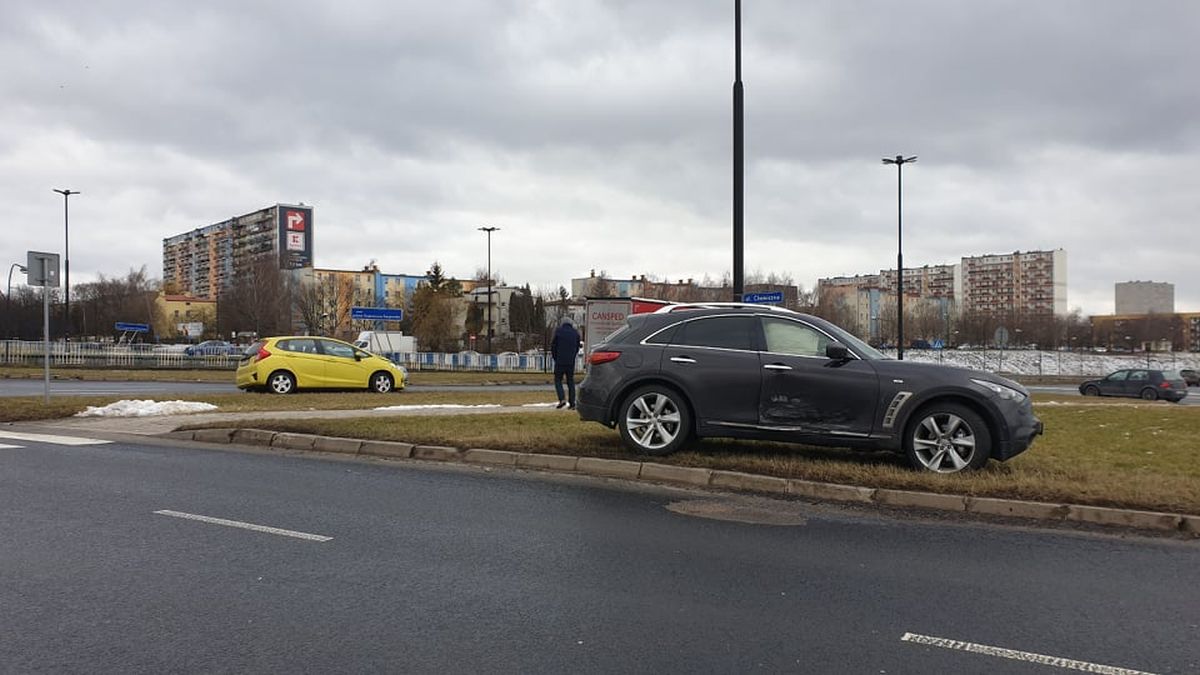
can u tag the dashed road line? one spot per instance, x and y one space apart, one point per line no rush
244 526
5 446
1015 655
52 439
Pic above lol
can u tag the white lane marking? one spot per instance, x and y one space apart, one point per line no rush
244 526
48 438
4 446
1028 657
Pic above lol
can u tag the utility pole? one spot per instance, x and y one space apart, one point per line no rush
738 173
899 161
489 231
66 262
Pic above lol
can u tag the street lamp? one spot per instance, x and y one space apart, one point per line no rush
66 262
899 161
738 158
8 294
489 231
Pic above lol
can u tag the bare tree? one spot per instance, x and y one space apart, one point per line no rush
324 303
257 300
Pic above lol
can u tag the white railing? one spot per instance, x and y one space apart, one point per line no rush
1015 362
96 355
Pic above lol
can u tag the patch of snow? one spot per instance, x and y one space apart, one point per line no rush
441 406
1042 362
539 405
136 408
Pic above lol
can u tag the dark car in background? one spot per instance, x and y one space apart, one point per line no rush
213 348
1191 377
1143 383
756 372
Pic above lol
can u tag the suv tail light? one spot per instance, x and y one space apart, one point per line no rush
1165 384
263 353
597 358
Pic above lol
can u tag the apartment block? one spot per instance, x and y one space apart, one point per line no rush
202 262
1031 283
1145 297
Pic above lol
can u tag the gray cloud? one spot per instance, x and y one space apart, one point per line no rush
597 134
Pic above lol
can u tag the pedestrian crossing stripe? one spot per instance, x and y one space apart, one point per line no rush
52 439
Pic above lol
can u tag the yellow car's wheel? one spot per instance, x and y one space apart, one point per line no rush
381 382
281 382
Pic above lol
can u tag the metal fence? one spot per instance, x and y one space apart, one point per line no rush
109 356
166 357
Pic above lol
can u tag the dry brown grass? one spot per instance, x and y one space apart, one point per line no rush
419 377
1142 456
27 408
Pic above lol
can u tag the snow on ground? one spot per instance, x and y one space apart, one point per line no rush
459 406
439 406
135 408
1036 362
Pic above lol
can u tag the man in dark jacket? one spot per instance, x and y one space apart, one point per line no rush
564 348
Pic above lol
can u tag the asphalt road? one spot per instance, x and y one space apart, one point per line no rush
403 567
123 388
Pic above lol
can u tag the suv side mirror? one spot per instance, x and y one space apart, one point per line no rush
837 351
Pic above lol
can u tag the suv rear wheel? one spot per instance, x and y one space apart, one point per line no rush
654 420
947 438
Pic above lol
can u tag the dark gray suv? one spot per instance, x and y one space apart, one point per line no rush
764 373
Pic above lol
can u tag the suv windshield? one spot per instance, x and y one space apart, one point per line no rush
867 351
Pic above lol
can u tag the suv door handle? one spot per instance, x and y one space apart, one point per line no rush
776 366
682 359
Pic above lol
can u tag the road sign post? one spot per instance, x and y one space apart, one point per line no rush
42 270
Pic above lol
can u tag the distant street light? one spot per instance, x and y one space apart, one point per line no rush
66 262
489 231
899 161
8 294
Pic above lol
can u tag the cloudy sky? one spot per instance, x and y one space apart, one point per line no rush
597 135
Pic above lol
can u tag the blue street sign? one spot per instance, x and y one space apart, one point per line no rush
376 314
132 327
763 298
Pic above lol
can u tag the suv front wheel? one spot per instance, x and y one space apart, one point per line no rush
947 438
654 420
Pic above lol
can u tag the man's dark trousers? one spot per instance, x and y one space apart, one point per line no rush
568 372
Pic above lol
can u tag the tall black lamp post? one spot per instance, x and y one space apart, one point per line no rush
489 231
738 176
66 261
899 161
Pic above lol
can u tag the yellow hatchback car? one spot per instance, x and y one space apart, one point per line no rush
284 364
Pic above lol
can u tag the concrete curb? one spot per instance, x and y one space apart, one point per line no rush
708 478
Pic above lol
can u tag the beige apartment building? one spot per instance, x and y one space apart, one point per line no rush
202 262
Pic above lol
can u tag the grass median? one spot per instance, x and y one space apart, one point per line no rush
1129 455
417 377
31 408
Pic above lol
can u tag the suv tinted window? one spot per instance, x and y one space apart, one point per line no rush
791 337
1118 376
664 337
728 332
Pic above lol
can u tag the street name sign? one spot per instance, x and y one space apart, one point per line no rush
376 314
763 298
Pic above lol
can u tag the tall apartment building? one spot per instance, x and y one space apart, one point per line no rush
1145 297
1031 283
202 262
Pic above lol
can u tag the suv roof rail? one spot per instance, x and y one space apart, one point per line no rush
718 305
